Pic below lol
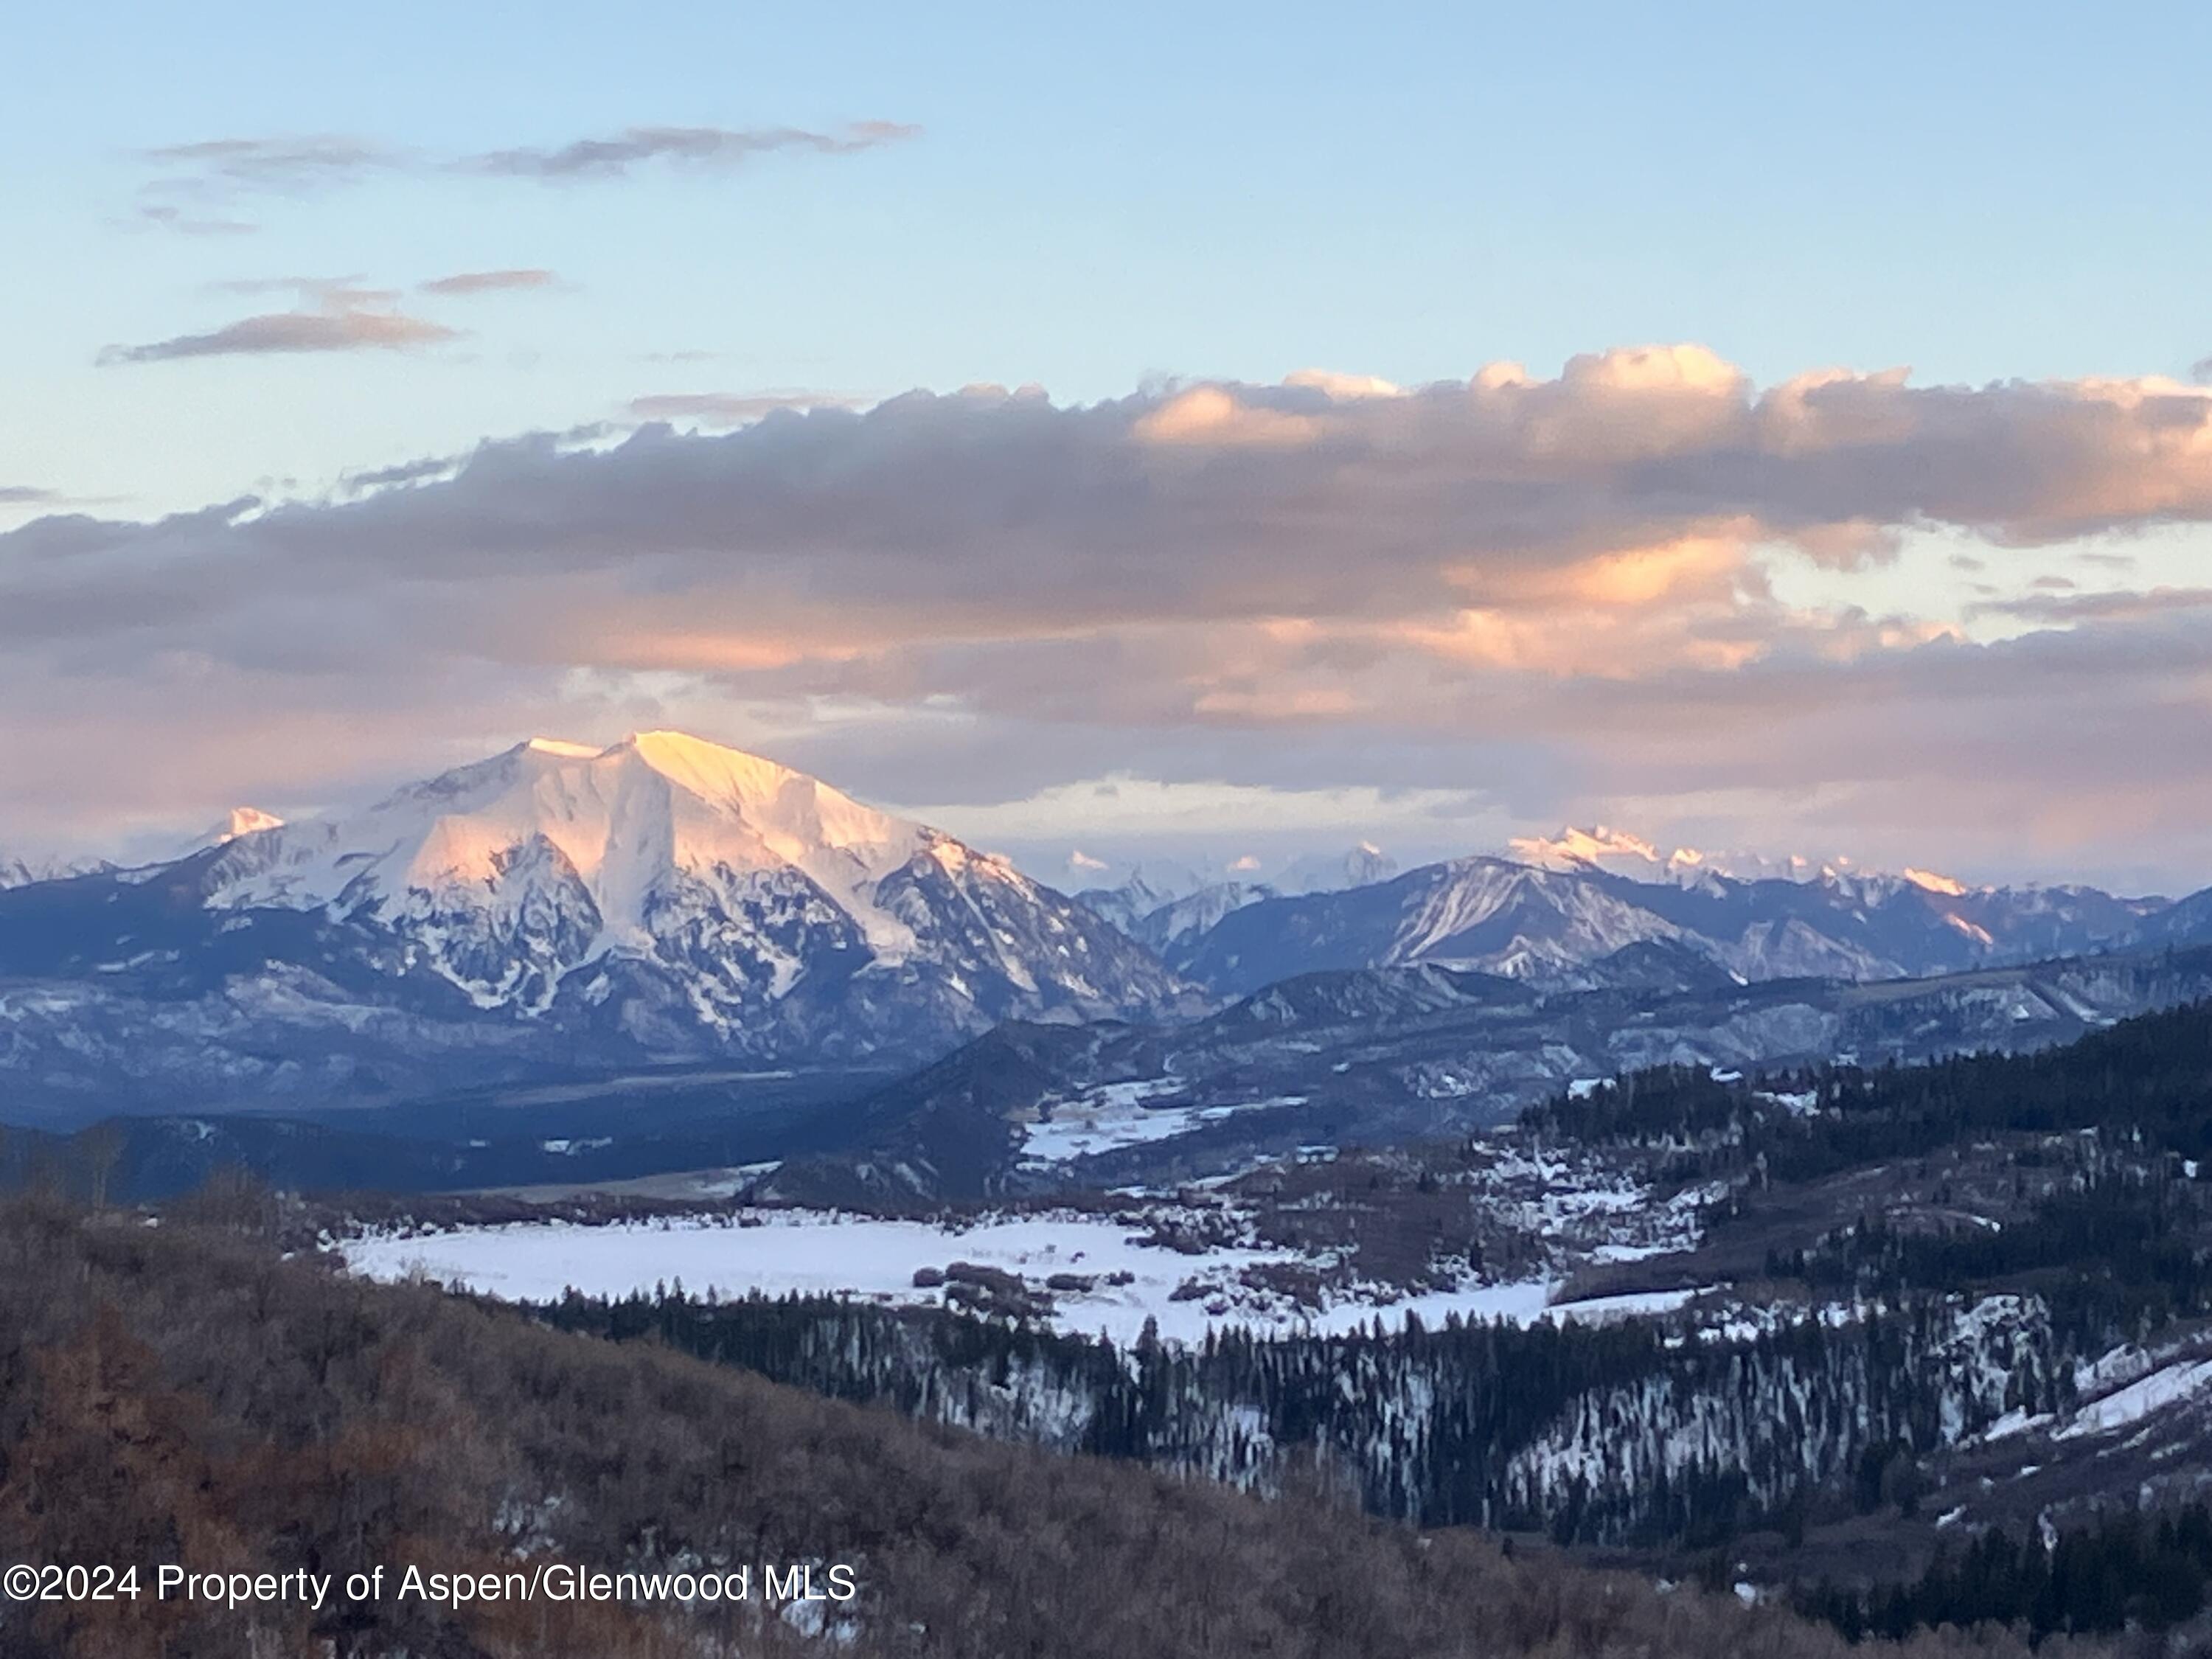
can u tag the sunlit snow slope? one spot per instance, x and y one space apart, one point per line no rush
743 878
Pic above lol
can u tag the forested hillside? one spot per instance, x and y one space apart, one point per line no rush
179 1394
1612 1434
2076 1175
2147 1080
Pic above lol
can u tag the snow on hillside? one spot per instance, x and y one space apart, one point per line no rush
2168 1386
1556 921
1117 1115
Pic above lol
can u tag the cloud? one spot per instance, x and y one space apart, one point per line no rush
344 329
2054 608
289 166
710 147
187 224
329 292
337 314
1125 808
730 407
487 281
21 500
1509 599
199 188
402 473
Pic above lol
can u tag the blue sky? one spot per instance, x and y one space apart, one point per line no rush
1098 195
1112 204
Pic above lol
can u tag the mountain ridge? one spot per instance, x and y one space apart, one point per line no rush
584 910
661 898
1500 915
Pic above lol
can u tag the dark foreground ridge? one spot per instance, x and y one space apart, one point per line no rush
179 1393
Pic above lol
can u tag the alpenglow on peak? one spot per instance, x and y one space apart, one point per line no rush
555 871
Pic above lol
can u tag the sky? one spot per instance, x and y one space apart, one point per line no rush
1199 433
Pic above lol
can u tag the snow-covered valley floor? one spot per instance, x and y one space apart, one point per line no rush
1111 1279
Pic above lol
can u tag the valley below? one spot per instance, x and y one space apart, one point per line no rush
1833 1247
1809 1333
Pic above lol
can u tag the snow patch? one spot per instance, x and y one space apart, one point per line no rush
2167 1387
1118 1114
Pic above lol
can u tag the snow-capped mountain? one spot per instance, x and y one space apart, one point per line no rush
1166 926
240 821
1485 913
20 870
663 898
1620 853
1146 887
1527 921
563 910
1332 872
743 879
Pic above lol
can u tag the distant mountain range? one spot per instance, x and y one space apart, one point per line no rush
1624 854
1556 906
1550 925
1160 900
562 911
21 870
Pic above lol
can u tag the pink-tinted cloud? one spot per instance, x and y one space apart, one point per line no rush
1561 595
290 332
465 282
336 314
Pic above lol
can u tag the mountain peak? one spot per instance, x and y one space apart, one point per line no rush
561 750
246 821
1602 847
1929 881
711 768
626 820
738 878
241 821
1318 873
1622 853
